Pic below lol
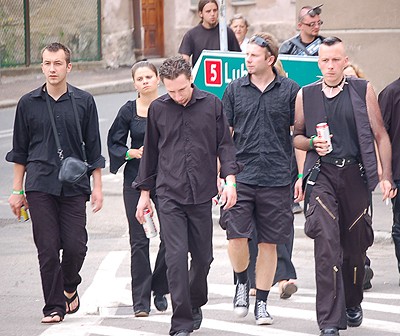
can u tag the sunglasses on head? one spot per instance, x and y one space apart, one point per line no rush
313 11
261 43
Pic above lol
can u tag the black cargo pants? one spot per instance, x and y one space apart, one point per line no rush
338 221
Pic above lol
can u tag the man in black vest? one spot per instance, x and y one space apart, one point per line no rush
341 179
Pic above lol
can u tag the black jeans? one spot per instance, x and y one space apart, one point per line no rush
144 280
59 223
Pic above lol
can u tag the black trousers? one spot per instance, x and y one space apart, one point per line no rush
144 280
186 229
338 221
396 224
59 223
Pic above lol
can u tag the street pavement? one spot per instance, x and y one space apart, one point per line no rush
105 292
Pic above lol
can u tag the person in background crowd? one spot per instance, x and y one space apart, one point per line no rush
186 133
58 210
389 101
263 144
240 26
353 70
206 34
131 121
339 180
307 42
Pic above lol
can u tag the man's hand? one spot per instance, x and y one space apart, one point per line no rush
96 199
16 202
229 197
143 203
298 190
321 146
387 189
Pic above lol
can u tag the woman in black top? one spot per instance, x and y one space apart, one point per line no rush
131 120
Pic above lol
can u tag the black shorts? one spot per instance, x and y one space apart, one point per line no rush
268 208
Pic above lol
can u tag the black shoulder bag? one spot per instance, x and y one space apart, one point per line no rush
72 169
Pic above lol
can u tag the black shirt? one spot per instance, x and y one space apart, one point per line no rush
389 101
199 38
261 122
181 148
34 145
127 122
339 111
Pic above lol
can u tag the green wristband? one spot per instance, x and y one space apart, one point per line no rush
230 184
300 176
312 141
127 157
18 192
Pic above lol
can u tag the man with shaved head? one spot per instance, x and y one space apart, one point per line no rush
339 179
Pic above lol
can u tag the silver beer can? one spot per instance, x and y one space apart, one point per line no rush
148 226
323 132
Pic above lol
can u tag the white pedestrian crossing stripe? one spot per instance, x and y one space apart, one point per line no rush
99 304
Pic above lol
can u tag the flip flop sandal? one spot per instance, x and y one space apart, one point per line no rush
54 318
70 300
288 290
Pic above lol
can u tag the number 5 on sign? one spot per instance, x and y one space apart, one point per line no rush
213 72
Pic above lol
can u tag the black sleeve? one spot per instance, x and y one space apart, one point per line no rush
233 44
117 138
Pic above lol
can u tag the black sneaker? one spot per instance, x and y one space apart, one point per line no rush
260 313
197 318
241 300
369 274
160 302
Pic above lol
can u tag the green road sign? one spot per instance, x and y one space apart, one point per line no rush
214 70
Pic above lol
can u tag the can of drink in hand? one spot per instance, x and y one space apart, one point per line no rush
149 226
216 200
323 132
24 214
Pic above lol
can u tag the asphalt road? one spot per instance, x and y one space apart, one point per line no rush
105 290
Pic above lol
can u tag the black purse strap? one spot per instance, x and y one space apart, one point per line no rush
55 133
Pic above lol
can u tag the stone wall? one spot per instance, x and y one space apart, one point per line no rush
370 30
117 32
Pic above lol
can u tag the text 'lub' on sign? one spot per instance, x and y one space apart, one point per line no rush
214 70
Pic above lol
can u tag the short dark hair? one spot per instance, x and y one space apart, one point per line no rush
331 40
56 46
202 3
143 64
173 67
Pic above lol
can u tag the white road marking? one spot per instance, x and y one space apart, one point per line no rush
99 302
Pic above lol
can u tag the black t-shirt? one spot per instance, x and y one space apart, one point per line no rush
199 38
339 111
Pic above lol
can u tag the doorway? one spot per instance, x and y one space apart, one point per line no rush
153 27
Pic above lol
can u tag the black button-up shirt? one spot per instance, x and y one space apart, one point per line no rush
181 147
34 145
261 122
